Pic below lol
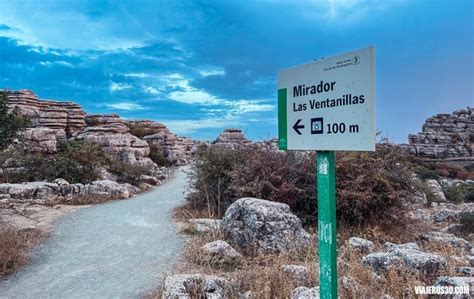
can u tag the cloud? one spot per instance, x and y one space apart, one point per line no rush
190 126
128 106
212 72
118 86
151 90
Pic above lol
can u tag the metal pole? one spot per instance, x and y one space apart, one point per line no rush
325 163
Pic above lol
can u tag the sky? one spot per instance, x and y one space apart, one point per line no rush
202 66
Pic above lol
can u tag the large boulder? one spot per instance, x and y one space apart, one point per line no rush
187 285
436 189
268 226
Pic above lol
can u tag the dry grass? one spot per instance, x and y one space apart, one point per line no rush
263 275
15 247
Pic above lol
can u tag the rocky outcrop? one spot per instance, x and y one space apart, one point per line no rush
447 239
185 285
38 140
361 245
176 150
113 136
231 137
65 118
267 225
445 136
61 191
407 255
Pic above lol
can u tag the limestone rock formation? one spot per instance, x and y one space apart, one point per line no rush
38 140
270 226
231 137
445 136
407 255
66 118
113 136
361 245
62 192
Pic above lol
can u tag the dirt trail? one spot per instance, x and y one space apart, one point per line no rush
120 249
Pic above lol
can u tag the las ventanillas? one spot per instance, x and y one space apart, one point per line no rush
303 90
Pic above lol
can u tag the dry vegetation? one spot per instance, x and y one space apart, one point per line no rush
16 246
263 275
372 192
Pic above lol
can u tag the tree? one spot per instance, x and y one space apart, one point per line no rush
12 123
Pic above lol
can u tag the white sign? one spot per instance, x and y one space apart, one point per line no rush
328 104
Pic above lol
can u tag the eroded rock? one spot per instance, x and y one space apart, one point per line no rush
267 225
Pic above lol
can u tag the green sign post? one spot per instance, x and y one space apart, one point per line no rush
326 177
328 106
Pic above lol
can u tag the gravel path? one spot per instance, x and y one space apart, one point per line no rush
119 249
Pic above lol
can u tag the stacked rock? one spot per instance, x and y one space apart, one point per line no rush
445 136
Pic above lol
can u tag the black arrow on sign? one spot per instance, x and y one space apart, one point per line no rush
297 127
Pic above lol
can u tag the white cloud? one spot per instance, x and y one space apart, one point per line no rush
57 62
151 90
215 71
137 75
191 126
125 106
118 86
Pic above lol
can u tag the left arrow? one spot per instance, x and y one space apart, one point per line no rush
297 127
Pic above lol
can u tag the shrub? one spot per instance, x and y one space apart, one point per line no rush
75 161
157 156
467 220
12 123
210 179
15 248
460 193
370 186
127 173
426 173
442 172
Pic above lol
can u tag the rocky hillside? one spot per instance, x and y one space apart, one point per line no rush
445 136
127 140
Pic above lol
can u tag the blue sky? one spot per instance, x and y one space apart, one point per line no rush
201 66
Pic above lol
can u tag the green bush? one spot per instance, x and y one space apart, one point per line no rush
467 220
157 156
425 173
127 173
75 161
12 123
460 193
